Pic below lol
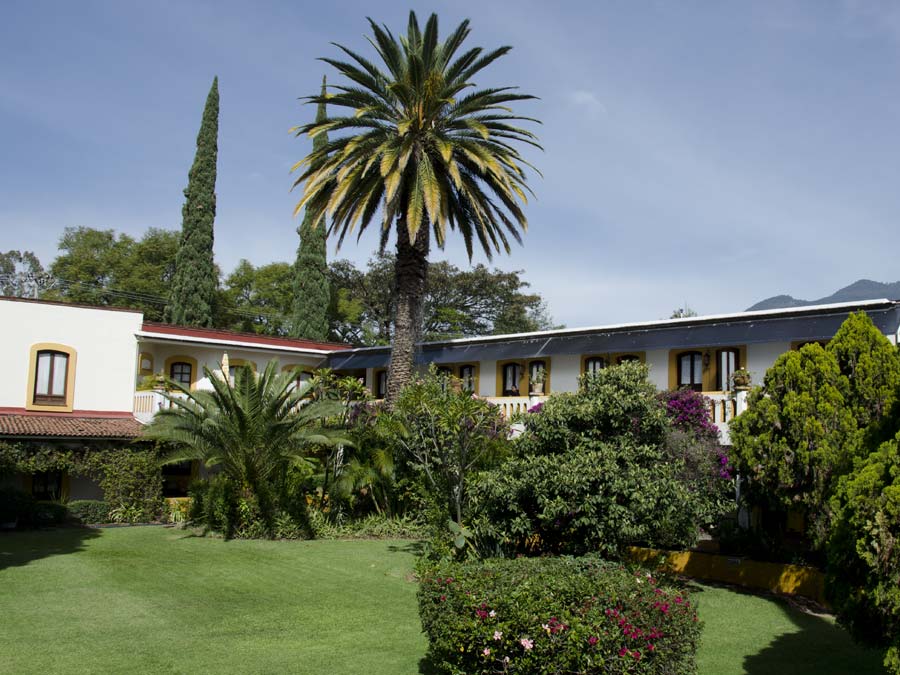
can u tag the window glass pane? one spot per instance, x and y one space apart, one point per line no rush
467 375
698 370
685 369
382 384
42 383
60 363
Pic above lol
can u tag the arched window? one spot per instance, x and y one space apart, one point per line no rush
181 372
512 374
594 365
690 370
51 377
467 375
537 376
727 362
627 358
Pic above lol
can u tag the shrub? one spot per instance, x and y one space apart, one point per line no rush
863 573
598 469
15 505
539 616
447 434
47 513
89 511
373 526
131 481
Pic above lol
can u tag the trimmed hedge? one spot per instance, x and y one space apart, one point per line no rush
89 511
543 616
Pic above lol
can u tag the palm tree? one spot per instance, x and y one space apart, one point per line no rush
255 430
424 153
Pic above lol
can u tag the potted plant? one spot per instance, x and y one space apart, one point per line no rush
741 378
538 377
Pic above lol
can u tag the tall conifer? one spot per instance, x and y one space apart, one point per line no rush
311 288
194 283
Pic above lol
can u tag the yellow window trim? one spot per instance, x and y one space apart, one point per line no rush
709 371
183 359
32 374
525 379
141 357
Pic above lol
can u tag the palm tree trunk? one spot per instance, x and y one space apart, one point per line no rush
411 269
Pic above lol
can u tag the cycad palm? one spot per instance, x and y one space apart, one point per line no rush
425 154
254 430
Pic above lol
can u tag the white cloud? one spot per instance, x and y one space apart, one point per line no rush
587 100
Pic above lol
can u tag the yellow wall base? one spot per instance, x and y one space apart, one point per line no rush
783 579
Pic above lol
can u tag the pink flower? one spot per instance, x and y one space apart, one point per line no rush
526 643
592 640
623 651
487 651
498 635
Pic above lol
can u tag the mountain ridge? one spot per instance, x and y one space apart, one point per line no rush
861 289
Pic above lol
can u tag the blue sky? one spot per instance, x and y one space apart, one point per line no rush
704 153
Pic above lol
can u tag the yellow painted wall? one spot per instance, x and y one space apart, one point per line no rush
784 579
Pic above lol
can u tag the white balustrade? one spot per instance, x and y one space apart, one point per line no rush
724 406
510 405
148 403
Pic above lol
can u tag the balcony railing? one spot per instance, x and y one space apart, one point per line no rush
723 406
148 403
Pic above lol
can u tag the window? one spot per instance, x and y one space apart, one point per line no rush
381 384
51 377
537 376
512 374
467 375
46 485
727 362
181 372
690 371
594 365
627 358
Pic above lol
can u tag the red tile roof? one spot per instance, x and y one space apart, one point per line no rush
69 425
234 336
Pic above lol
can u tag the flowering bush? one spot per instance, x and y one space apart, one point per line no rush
538 616
689 411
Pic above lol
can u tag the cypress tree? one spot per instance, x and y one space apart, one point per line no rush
312 293
195 280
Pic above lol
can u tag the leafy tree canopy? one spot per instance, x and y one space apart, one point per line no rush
21 274
99 267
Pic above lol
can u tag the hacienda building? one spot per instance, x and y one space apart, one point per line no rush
83 376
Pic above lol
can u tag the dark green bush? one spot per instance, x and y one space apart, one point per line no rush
46 514
596 470
15 505
543 616
863 572
214 505
89 511
131 481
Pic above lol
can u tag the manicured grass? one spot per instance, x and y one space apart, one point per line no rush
755 635
154 600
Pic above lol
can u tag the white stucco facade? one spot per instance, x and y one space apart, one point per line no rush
102 340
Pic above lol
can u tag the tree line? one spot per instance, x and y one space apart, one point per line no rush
110 269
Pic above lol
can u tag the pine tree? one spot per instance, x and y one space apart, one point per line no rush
311 288
195 280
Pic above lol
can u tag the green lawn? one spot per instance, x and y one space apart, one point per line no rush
155 600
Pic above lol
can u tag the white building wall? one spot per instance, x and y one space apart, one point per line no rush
103 341
658 360
564 372
760 358
211 357
487 378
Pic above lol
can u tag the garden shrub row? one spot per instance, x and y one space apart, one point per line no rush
545 616
89 511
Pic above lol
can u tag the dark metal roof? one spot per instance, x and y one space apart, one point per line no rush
808 323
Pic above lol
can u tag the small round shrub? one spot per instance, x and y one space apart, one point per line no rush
89 511
543 616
